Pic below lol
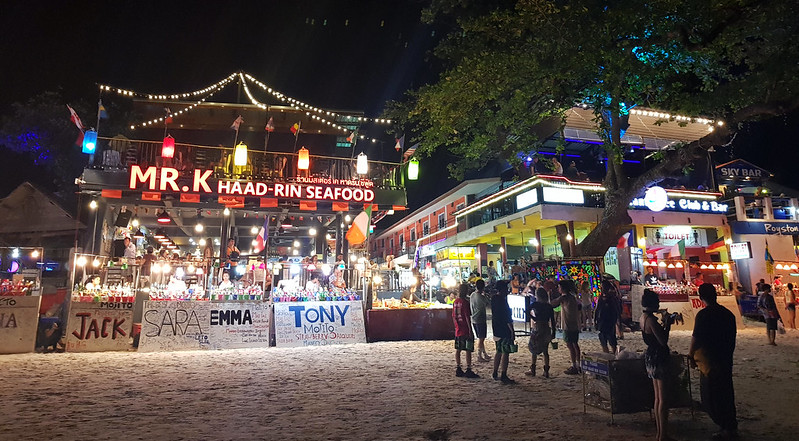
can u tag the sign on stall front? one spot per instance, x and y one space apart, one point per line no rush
237 325
103 326
19 320
174 326
517 308
318 323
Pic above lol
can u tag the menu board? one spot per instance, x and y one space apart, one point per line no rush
318 323
101 326
19 319
239 325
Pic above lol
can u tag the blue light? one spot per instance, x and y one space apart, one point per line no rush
89 141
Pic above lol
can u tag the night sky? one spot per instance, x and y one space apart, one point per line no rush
352 55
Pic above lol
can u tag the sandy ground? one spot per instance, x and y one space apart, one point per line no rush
384 391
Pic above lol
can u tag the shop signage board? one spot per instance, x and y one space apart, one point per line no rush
672 234
318 323
19 320
101 326
658 199
526 199
169 325
236 325
456 253
740 250
517 308
771 228
740 169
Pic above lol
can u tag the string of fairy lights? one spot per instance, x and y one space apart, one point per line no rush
174 114
130 93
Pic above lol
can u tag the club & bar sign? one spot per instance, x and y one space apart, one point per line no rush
170 179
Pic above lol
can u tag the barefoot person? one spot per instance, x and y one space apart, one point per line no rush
607 316
712 346
656 358
790 306
542 326
571 322
464 339
478 301
768 307
504 335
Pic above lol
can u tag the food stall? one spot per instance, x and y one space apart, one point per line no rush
392 320
20 298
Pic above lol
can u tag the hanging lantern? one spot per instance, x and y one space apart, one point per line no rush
793 266
779 266
164 218
413 169
678 265
168 147
303 159
662 264
89 141
671 265
646 263
703 266
362 165
240 155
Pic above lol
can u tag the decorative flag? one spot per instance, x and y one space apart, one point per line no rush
769 260
716 246
359 230
270 125
263 237
678 250
168 118
624 241
408 153
79 141
237 123
400 143
295 129
73 116
353 137
101 112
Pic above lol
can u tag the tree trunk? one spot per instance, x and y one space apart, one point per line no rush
615 222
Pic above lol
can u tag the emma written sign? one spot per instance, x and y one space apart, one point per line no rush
169 179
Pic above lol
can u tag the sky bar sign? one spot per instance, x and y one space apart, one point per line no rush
199 181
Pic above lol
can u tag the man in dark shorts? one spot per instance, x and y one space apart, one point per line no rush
570 308
478 301
768 307
504 335
712 347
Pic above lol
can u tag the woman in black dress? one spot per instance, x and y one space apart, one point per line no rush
656 357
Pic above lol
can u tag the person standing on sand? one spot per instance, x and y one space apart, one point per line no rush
712 347
478 301
607 315
504 334
464 339
656 358
542 326
790 305
571 322
768 307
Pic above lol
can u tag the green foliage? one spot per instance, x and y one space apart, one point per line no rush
512 65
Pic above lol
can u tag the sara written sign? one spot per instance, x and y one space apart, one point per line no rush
169 179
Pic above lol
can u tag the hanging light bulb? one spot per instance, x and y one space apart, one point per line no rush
254 229
678 265
93 205
362 164
569 236
163 218
35 254
168 147
312 231
240 155
646 263
303 159
226 211
703 266
202 242
89 142
413 169
661 264
671 265
534 242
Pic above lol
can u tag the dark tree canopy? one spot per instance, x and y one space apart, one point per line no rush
512 65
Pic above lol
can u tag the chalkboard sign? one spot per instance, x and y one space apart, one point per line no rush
239 325
19 319
318 323
103 326
169 325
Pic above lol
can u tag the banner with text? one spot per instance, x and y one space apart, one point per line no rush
175 326
104 326
19 319
318 323
239 325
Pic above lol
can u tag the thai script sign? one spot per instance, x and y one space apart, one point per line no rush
104 326
19 319
318 323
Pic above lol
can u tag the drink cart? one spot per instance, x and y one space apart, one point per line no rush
622 386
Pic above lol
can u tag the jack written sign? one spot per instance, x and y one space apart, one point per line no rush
318 323
93 327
